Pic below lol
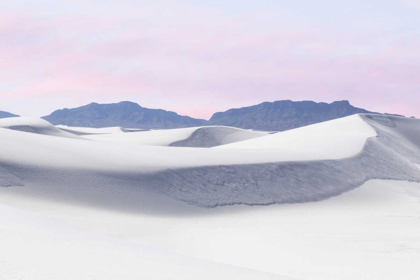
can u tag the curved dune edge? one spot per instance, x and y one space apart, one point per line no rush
200 137
386 156
207 137
333 140
35 126
390 155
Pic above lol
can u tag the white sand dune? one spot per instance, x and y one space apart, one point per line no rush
371 233
34 125
90 130
203 137
82 165
328 140
112 205
295 166
162 137
212 136
100 155
47 241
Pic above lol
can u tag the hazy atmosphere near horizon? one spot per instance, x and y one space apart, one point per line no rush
209 140
200 57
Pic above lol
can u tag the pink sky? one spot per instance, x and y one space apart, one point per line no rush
200 57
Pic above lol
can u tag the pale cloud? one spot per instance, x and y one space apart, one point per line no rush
196 59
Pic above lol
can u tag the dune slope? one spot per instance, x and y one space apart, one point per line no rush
370 233
199 137
306 164
115 210
34 125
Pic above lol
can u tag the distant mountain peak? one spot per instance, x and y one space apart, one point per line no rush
270 116
341 102
4 115
284 114
125 114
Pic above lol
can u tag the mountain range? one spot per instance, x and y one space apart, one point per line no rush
124 114
284 115
4 115
270 116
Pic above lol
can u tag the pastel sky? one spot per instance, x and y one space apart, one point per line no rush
199 57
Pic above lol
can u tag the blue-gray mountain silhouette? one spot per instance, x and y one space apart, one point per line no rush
124 114
4 115
284 115
269 116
